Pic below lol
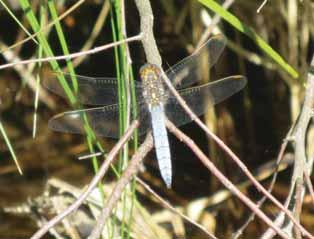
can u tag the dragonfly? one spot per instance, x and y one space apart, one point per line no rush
154 104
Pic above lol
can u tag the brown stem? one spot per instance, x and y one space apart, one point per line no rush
126 177
103 169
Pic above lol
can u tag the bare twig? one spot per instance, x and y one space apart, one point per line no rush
298 208
148 40
71 9
222 178
95 32
261 6
125 178
77 54
302 163
59 206
280 156
103 169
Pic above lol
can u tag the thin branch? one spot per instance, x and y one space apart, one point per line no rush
77 54
261 6
298 207
302 164
222 178
95 32
66 13
280 156
233 156
103 169
148 40
125 178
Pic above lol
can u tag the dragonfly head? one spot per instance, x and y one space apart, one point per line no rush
149 69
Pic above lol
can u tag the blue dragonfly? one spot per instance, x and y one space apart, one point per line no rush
154 101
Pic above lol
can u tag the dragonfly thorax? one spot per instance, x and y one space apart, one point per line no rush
153 88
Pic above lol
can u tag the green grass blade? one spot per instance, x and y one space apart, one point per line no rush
48 51
63 43
8 143
46 47
248 31
90 137
126 86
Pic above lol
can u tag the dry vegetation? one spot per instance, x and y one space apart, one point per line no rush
268 127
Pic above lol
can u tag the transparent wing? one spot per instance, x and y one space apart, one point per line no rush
92 90
185 72
103 120
200 98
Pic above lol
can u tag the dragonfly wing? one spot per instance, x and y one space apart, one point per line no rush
91 90
185 72
104 121
200 98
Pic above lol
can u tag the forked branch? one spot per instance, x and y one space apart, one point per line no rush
303 165
153 56
222 178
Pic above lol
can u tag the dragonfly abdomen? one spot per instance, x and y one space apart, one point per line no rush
161 143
